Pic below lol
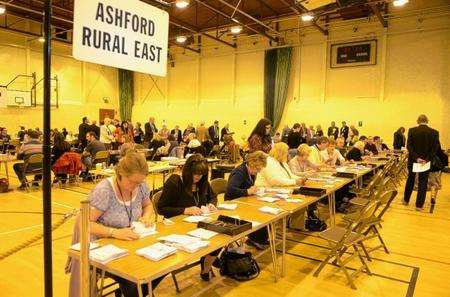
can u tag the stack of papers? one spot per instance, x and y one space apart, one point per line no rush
77 246
143 231
271 210
184 242
291 200
282 196
268 199
227 206
278 190
195 219
156 251
107 253
202 233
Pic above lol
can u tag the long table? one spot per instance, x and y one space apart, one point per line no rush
142 271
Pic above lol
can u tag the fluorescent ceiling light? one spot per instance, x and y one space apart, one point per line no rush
307 17
181 39
182 3
399 3
236 29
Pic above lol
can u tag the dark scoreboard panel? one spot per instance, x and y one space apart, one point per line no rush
353 54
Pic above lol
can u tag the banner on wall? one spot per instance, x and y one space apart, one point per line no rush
3 97
128 34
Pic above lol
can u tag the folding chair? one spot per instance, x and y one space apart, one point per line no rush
101 157
377 191
33 166
341 239
155 200
372 231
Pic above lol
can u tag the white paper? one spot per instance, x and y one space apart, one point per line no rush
206 210
184 242
419 167
227 206
107 253
268 199
77 246
156 252
282 196
271 210
195 219
202 233
192 247
279 191
180 239
143 231
290 200
255 224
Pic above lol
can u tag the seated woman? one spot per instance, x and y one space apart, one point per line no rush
190 194
194 146
241 183
127 144
116 202
356 153
229 152
154 145
300 165
277 172
331 155
60 146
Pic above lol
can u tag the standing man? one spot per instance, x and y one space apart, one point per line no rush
333 130
422 145
344 131
150 130
94 128
83 129
177 133
214 133
399 138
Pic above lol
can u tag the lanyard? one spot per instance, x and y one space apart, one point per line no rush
130 213
196 198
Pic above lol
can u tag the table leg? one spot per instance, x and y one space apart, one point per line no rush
94 281
270 228
6 171
331 208
283 255
139 288
150 289
102 284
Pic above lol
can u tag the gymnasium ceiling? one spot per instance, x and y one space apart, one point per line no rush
213 18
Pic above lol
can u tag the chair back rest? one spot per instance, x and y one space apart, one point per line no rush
35 159
365 216
155 201
219 185
101 156
386 199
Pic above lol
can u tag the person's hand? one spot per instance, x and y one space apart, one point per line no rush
300 181
125 234
147 221
252 190
212 207
192 211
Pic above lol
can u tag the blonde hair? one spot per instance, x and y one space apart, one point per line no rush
303 150
257 159
359 145
131 163
331 141
279 152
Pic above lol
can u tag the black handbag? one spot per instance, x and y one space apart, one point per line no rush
241 267
315 224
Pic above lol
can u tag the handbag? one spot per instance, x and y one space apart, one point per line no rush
241 267
4 185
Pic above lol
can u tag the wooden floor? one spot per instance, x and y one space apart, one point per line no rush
418 265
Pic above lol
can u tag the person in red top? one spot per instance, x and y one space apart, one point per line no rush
260 139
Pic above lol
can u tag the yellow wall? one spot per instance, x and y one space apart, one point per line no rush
411 77
82 86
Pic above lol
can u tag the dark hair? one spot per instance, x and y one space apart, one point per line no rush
33 134
296 126
375 138
362 138
84 119
195 164
422 119
322 139
401 129
59 142
260 128
171 137
90 133
123 128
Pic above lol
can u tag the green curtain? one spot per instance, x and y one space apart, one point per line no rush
277 70
126 94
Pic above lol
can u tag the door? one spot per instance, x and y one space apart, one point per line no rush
106 113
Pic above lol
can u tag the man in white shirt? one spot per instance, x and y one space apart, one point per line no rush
331 155
107 133
315 157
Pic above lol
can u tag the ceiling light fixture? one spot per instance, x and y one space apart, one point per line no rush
182 3
181 39
236 29
41 39
398 3
307 17
2 9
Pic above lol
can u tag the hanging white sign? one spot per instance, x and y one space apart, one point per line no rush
128 34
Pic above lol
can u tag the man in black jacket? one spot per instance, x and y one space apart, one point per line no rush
333 130
399 138
214 133
422 145
150 130
295 137
344 130
83 129
94 128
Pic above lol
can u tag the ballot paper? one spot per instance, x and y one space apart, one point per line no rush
143 231
268 199
206 210
290 200
271 210
419 167
202 233
184 242
278 190
227 206
77 246
157 251
195 219
282 196
107 253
